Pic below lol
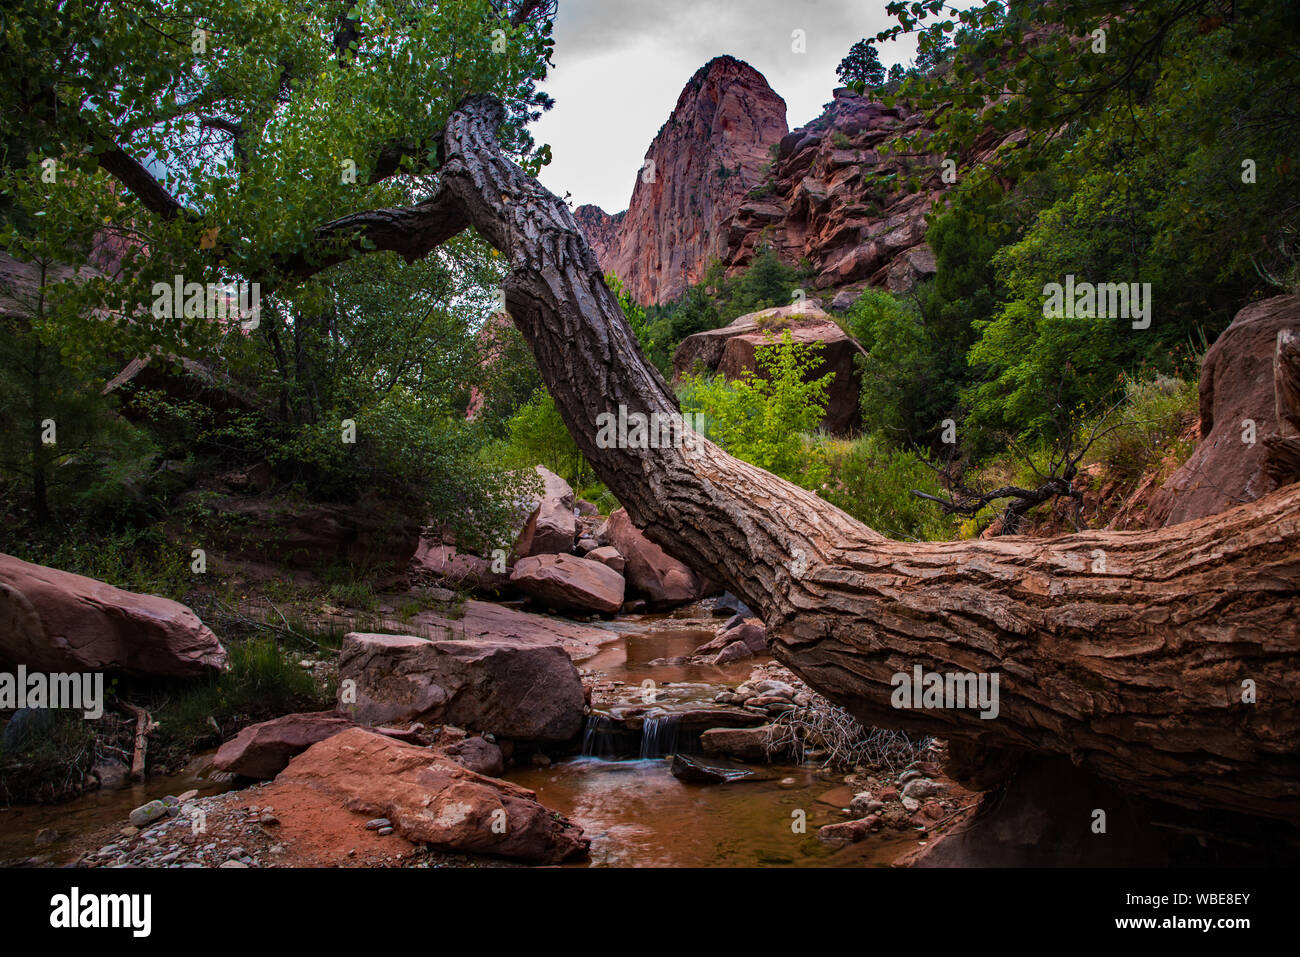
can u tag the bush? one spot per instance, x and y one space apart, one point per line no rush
1146 427
874 483
763 418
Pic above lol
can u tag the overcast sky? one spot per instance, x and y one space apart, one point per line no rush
619 66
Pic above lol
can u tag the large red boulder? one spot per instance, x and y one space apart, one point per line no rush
262 750
57 621
731 352
551 526
648 569
431 799
1226 468
569 583
516 691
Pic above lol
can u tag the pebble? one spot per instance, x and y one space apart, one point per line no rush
385 831
377 823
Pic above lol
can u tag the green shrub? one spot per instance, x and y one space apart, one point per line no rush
1145 428
762 418
874 483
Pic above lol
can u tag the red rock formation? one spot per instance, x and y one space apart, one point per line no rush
1237 387
711 152
52 620
811 194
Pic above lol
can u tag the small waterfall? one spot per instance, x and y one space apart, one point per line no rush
602 738
659 735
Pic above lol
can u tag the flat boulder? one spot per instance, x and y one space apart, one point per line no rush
650 571
747 744
263 750
57 621
488 621
569 583
1236 385
431 799
694 771
516 691
551 527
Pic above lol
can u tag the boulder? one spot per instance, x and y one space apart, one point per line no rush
551 526
848 832
569 583
429 798
735 651
731 352
479 755
1236 384
517 691
749 632
263 750
663 580
57 621
488 621
694 771
608 555
443 563
747 744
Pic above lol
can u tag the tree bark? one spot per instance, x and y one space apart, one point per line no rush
1125 651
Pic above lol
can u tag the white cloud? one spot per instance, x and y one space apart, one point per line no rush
620 66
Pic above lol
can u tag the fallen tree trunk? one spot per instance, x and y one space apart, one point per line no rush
1125 651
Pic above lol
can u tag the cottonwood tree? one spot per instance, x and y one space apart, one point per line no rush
1132 666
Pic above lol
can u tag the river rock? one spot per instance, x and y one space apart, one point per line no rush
146 814
747 744
848 832
693 771
479 755
650 571
736 651
429 798
922 788
57 621
569 583
551 526
749 632
523 692
262 750
608 555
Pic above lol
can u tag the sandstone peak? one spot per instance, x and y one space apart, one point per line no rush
713 149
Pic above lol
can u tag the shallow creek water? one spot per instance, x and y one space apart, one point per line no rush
51 833
638 815
635 811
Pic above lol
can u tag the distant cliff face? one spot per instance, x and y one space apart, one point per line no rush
711 152
811 194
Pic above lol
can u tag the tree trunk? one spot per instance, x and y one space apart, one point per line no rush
1125 651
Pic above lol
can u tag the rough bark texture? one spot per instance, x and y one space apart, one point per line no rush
1125 651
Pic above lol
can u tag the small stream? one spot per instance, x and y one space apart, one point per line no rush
638 815
620 791
51 834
